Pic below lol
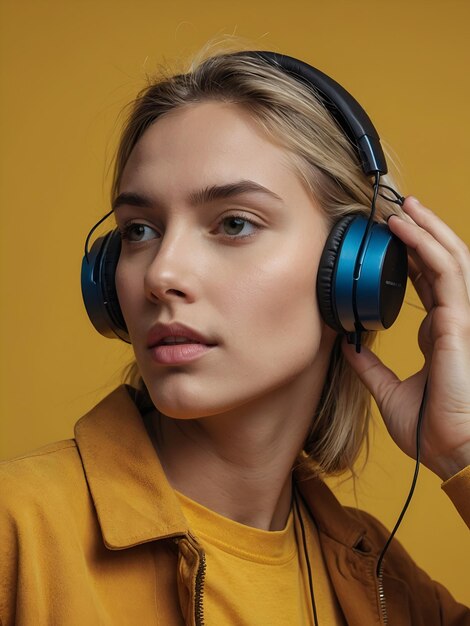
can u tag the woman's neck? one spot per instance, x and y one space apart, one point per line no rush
239 463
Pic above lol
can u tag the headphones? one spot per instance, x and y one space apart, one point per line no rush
363 269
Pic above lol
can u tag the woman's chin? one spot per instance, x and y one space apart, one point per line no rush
183 405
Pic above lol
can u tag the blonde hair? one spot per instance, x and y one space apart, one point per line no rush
328 165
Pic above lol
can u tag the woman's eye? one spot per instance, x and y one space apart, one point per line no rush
232 226
138 232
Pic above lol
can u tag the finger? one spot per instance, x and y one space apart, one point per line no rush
377 377
429 221
421 279
448 283
425 342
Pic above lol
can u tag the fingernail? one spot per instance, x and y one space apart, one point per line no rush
414 199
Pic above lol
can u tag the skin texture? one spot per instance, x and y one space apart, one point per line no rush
235 418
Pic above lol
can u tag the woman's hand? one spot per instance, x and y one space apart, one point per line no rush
440 271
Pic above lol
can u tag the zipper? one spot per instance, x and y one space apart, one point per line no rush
200 579
382 600
198 601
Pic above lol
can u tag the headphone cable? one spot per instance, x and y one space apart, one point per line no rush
399 520
413 482
307 560
87 240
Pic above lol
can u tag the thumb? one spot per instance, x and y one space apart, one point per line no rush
377 377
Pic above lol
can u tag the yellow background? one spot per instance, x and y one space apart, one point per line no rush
67 69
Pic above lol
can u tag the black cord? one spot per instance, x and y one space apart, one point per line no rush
355 336
374 198
413 482
309 569
400 517
92 231
399 199
370 221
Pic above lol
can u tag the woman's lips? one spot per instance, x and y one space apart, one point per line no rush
178 353
171 333
176 343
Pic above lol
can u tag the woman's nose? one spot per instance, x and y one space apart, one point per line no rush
171 273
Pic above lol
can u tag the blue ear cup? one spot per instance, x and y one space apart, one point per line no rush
99 286
355 297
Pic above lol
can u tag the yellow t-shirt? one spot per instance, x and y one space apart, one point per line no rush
256 577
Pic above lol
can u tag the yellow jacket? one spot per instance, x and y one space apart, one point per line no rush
91 533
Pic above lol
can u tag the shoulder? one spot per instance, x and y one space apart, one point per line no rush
26 459
36 468
46 519
41 484
57 471
43 499
39 463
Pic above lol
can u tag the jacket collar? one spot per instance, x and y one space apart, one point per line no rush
133 499
331 517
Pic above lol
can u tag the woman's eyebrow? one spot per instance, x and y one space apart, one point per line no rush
133 199
217 192
201 196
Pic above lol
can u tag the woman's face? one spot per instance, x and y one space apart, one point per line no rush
222 238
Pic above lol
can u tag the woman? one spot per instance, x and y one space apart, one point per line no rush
197 498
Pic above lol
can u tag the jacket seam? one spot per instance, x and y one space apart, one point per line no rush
38 454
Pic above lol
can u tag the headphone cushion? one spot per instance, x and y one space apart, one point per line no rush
98 282
327 272
108 278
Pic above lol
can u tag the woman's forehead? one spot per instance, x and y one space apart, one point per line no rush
212 126
205 144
